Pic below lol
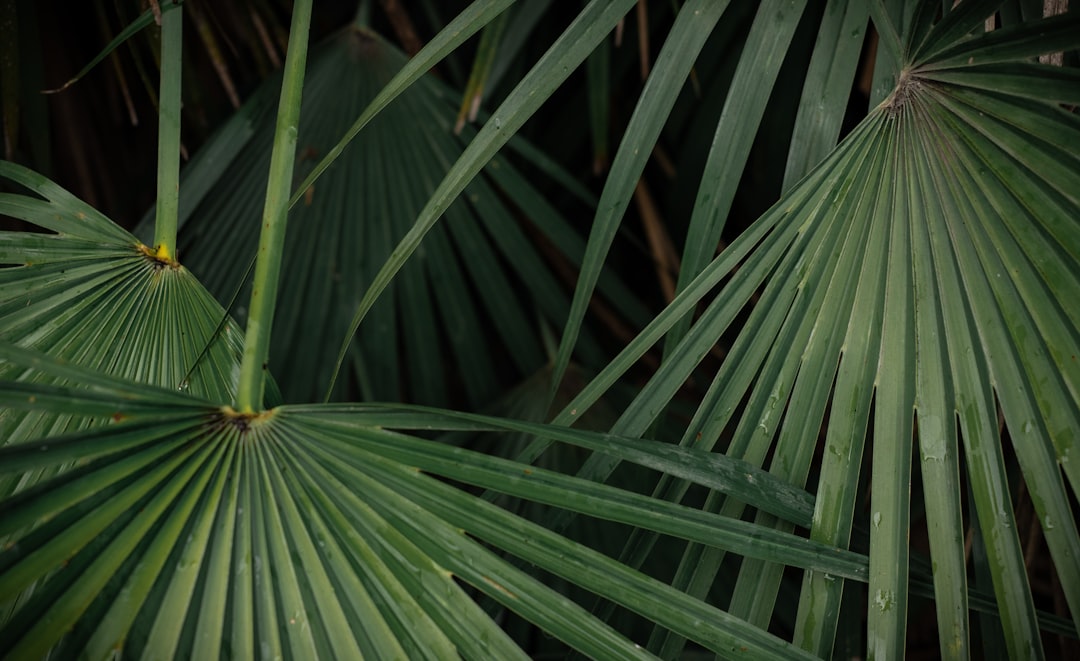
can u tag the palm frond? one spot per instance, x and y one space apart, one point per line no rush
468 279
921 274
318 531
913 291
88 292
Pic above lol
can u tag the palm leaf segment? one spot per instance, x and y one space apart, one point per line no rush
924 275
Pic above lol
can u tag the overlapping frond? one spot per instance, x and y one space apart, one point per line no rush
189 530
918 281
86 291
480 281
907 307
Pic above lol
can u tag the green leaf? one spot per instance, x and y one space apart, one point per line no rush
353 531
91 295
1032 81
469 278
1010 43
913 290
826 87
565 55
144 20
692 27
951 199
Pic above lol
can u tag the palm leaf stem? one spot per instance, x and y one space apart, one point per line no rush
168 180
275 214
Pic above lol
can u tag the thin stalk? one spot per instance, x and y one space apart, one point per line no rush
249 394
168 179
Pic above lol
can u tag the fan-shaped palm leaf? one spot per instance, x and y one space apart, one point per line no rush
921 277
188 529
463 291
92 294
917 281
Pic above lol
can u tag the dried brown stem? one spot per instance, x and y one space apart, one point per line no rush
403 26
